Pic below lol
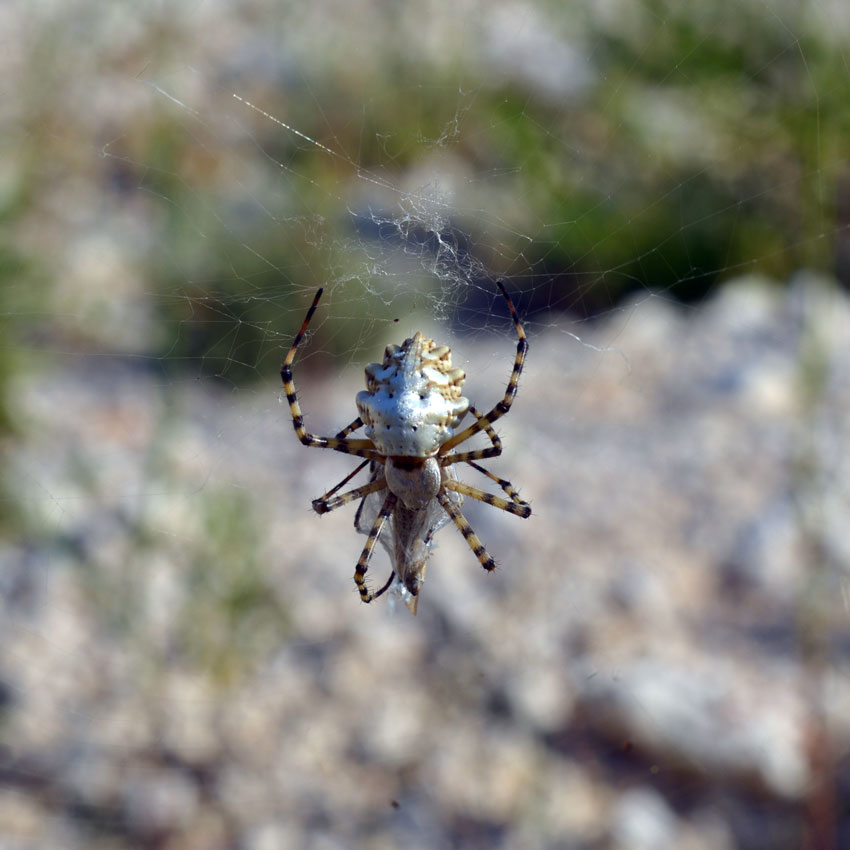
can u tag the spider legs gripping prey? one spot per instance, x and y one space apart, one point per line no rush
343 482
517 508
361 448
505 485
324 505
504 405
494 451
366 554
398 482
385 588
357 423
466 530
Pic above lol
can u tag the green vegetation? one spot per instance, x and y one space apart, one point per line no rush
696 143
232 617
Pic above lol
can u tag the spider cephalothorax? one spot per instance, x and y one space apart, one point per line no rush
412 408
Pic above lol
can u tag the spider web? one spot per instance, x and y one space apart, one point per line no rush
660 659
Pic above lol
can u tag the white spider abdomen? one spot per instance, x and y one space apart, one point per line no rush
412 402
415 481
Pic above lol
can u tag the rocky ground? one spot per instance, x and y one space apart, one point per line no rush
659 662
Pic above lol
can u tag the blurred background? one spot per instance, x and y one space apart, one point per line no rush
661 659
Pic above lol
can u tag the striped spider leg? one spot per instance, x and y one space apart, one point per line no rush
503 406
340 443
411 409
494 450
484 423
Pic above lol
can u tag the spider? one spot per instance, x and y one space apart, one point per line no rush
412 408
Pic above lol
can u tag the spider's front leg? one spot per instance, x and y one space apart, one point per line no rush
503 406
361 448
357 423
478 454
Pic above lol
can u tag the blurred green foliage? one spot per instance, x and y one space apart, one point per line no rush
10 269
232 615
701 142
216 609
704 148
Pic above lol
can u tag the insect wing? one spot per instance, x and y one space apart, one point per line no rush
370 507
407 537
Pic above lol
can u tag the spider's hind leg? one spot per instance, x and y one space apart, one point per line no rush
342 483
366 554
361 448
386 587
324 505
504 484
466 530
516 507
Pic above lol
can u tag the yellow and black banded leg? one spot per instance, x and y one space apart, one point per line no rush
505 485
342 483
366 554
466 530
357 423
386 587
494 451
517 509
323 506
479 454
510 393
361 448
